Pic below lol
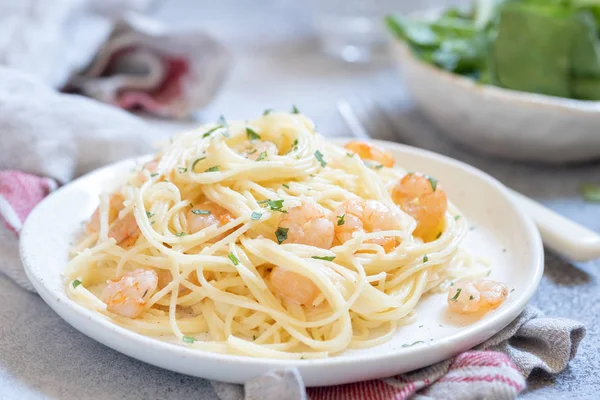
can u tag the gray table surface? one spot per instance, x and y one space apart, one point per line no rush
276 65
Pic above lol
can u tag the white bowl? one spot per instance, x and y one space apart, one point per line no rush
503 234
501 122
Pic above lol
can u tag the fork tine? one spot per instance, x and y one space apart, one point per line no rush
351 119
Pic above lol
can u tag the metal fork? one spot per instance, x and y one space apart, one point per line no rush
558 233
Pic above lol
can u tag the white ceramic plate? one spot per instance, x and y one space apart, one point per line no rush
501 233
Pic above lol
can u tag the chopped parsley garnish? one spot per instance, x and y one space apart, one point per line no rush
180 234
197 161
188 339
512 290
341 220
233 259
251 134
591 193
253 337
295 110
201 212
425 258
285 185
438 235
471 297
210 131
275 205
153 175
221 121
412 344
451 283
181 169
281 234
213 169
262 156
152 222
76 283
268 111
251 152
294 146
433 182
456 217
255 216
456 295
149 214
349 154
319 157
378 166
324 258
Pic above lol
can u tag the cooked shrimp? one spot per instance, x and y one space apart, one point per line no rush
307 224
366 216
125 230
294 287
115 204
258 149
127 297
150 166
207 214
368 151
478 295
424 200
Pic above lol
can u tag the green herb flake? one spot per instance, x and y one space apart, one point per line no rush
285 185
456 295
451 283
233 259
349 154
76 283
253 337
268 111
471 297
201 212
512 290
210 131
412 344
438 235
294 146
251 134
262 156
153 175
213 169
182 170
319 157
197 161
425 258
149 214
281 234
433 182
275 205
255 216
341 219
591 193
152 223
456 217
295 110
180 234
221 121
188 339
324 258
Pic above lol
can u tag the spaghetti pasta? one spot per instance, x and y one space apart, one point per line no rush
261 238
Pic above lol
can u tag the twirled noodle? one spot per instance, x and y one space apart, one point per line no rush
218 296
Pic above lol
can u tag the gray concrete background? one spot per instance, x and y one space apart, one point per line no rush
276 65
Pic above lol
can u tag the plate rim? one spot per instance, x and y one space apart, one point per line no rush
502 319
